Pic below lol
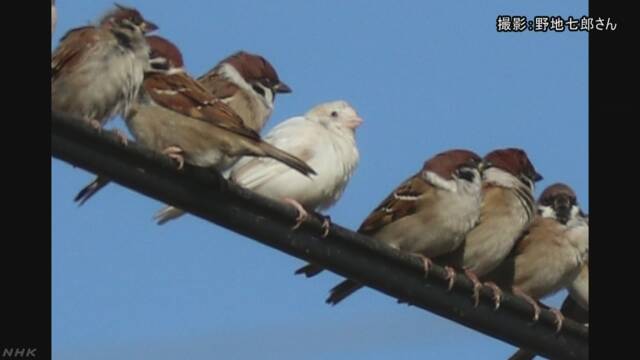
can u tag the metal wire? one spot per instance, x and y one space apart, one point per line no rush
206 194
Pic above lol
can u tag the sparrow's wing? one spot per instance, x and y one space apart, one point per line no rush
403 201
74 45
218 86
294 136
180 93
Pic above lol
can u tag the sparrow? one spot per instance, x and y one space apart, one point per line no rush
324 137
550 254
54 16
426 215
175 115
248 83
97 71
508 208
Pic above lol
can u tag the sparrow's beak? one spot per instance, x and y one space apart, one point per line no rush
562 206
148 26
537 177
354 122
282 88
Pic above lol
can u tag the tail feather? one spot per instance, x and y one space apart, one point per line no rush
342 290
167 214
88 191
309 270
286 158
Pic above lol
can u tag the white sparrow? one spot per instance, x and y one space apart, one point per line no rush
325 138
97 71
427 215
175 115
550 254
248 83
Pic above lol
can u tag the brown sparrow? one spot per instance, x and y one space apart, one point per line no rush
427 215
248 83
98 70
550 254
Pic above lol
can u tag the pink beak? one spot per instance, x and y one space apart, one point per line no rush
354 122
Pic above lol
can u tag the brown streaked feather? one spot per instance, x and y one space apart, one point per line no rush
73 45
396 206
194 101
218 86
252 67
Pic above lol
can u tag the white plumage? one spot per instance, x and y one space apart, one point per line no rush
324 138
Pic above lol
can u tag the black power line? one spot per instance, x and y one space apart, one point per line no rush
206 194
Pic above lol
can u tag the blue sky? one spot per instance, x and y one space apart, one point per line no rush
425 76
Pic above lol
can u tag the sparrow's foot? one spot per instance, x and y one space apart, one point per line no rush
122 137
559 319
427 264
326 225
175 153
529 299
95 124
302 213
451 277
477 285
497 294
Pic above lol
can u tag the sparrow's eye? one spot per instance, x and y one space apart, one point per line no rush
334 114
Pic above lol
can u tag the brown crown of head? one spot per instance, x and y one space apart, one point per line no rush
121 15
254 68
556 194
446 163
163 48
513 161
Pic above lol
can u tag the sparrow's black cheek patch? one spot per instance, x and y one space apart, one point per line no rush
123 39
258 89
466 174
